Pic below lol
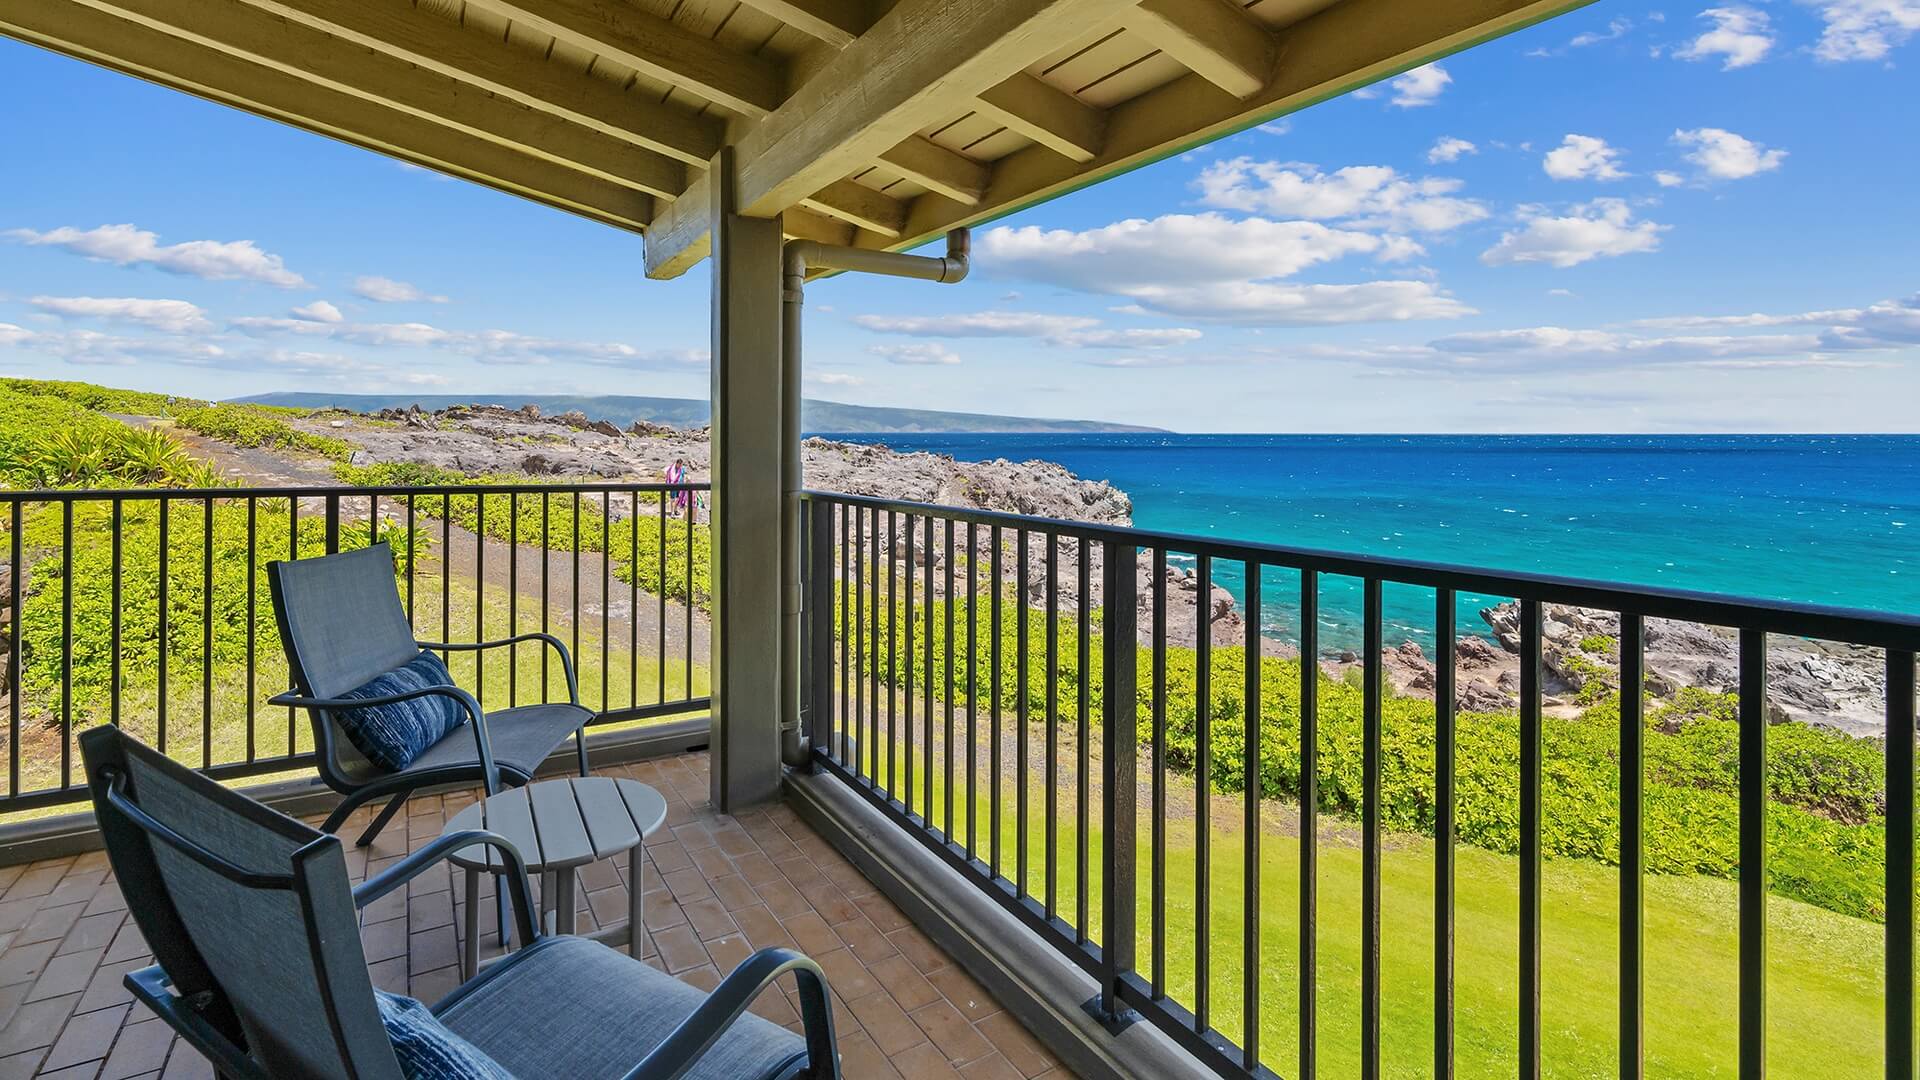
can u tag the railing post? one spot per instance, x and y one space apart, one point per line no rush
817 641
1120 736
333 527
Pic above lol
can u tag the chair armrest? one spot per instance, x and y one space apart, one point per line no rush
151 986
682 1049
293 699
397 875
566 658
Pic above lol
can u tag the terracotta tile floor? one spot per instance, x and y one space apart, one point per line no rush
718 887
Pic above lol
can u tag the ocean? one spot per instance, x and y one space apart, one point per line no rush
1810 518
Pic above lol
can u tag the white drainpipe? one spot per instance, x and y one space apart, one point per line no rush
800 256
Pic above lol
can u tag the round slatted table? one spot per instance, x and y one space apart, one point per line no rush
560 826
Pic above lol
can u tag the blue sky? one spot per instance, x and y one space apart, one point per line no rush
1632 218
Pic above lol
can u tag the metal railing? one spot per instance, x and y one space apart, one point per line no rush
149 608
865 641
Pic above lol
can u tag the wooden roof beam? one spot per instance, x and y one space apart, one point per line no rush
900 76
321 58
445 47
1216 39
857 204
749 85
1341 48
1051 117
135 49
837 22
937 168
798 224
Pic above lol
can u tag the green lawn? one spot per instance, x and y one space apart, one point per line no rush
1824 968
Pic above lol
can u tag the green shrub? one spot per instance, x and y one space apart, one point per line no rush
258 425
1825 818
561 522
99 398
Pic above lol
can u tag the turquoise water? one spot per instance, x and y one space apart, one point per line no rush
1815 519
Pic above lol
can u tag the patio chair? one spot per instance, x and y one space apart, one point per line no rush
254 928
342 624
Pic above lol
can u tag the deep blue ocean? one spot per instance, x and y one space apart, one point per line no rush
1816 518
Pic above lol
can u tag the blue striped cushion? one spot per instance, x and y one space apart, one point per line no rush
426 1049
391 736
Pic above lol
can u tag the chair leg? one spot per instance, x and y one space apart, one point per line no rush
500 902
381 819
580 747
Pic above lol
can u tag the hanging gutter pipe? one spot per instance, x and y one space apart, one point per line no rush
798 257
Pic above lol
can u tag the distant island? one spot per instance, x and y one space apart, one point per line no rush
623 410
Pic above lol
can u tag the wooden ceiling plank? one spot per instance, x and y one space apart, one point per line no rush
837 22
321 58
952 174
859 205
511 72
903 74
135 49
799 224
1051 117
1331 52
1216 39
750 85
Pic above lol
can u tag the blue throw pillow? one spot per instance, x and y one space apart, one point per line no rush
427 1048
392 736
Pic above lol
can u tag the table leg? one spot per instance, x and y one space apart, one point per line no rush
548 917
564 919
636 900
470 945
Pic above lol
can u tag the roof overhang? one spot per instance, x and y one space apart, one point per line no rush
859 123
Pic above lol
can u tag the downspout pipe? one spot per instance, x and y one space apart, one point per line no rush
799 257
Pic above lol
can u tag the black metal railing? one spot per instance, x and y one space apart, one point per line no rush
867 558
149 609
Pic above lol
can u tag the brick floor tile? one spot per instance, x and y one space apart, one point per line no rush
92 932
891 1029
51 923
185 1063
88 1037
734 892
811 933
1019 1047
782 898
925 954
860 1059
23 963
904 981
992 1067
846 974
966 995
67 974
679 949
951 1032
140 1049
925 1062
728 951
21 1066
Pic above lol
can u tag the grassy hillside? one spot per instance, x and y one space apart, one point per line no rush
820 416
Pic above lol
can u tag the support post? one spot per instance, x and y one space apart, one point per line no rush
1120 738
745 446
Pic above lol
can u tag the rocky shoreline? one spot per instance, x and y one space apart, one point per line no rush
1809 682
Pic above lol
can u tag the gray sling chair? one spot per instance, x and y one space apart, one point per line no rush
342 624
254 928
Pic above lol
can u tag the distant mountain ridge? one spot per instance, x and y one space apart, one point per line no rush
623 409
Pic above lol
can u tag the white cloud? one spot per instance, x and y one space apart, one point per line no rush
1367 196
1176 247
1583 157
836 378
318 311
1865 29
94 347
167 316
1450 149
977 324
1603 227
1741 36
1262 303
1831 317
1132 338
388 291
1558 349
1209 267
1616 28
1723 155
1421 86
126 245
486 346
1668 179
917 354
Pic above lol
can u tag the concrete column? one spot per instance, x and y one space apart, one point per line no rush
746 500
